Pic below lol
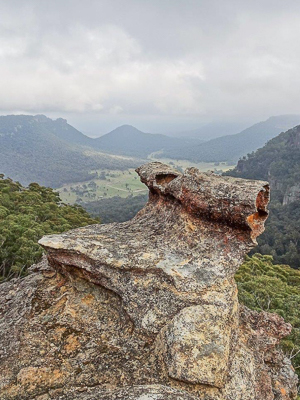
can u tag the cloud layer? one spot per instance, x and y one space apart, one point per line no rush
195 59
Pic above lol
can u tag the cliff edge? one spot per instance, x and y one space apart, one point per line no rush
148 309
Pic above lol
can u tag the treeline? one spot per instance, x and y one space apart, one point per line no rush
26 214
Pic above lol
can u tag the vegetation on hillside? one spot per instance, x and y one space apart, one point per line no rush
279 163
26 214
264 285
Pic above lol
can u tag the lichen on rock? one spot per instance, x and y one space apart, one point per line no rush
148 309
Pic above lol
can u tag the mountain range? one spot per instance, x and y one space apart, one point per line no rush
210 131
52 152
231 147
127 140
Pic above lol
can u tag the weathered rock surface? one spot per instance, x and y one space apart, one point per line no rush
147 309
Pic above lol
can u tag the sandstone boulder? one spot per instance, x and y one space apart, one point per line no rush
148 309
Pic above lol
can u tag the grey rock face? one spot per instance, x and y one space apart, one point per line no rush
147 309
292 194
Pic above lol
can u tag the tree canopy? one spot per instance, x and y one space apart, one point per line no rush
26 214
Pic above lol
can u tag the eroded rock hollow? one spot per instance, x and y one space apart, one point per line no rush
148 309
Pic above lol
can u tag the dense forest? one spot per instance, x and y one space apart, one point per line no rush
26 214
279 163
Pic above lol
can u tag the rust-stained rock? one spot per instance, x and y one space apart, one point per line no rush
147 309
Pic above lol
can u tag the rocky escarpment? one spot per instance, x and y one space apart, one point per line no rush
148 309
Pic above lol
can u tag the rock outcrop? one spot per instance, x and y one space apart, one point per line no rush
148 309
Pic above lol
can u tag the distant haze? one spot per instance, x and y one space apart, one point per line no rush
162 66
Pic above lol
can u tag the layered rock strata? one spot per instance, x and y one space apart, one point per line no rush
148 309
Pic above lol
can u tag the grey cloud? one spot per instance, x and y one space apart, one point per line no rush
182 61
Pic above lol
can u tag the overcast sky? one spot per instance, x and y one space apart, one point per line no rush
160 65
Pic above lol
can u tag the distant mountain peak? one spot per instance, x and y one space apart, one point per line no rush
283 116
40 118
62 120
126 126
126 129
